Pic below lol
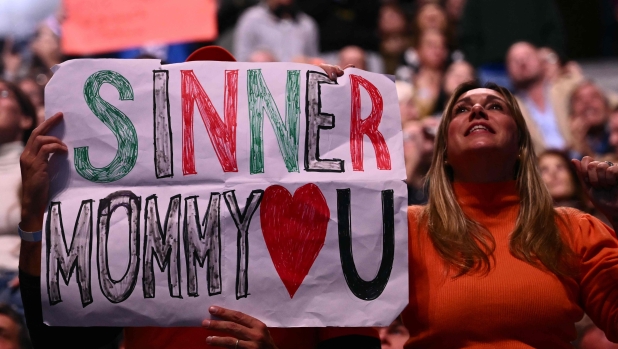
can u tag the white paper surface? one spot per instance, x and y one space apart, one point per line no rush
294 229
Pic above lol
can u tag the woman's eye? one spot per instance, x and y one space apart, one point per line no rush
459 110
495 107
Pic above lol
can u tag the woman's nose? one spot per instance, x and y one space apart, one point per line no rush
478 112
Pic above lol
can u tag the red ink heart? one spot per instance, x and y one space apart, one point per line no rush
294 229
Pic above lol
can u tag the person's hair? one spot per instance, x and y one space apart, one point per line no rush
578 190
25 106
466 245
24 339
583 83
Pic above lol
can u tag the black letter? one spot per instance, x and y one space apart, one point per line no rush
162 244
367 290
203 240
66 260
242 221
316 121
117 291
164 151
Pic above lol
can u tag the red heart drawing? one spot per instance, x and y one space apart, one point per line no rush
294 229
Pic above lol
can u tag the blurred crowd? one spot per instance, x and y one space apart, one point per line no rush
430 47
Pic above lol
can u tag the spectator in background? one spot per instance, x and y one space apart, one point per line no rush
17 119
262 56
454 10
488 28
354 56
13 331
407 107
427 75
394 36
456 74
279 27
418 143
560 177
35 93
543 102
429 16
589 113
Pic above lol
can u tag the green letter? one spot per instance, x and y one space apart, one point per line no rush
260 101
117 122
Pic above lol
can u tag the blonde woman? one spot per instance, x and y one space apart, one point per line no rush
492 263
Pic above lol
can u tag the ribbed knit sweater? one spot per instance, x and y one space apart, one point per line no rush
516 305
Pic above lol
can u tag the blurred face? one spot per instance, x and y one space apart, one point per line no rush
431 16
394 336
352 55
589 104
557 178
454 8
391 21
9 333
262 57
33 90
481 124
456 74
12 121
432 50
408 110
524 65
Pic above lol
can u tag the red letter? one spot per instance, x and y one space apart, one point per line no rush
368 127
222 133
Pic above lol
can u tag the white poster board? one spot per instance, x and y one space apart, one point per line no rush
263 188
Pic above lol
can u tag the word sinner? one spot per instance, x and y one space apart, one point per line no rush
201 240
222 132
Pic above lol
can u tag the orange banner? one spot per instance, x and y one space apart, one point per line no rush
96 26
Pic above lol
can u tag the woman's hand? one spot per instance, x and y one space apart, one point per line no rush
600 181
247 332
334 71
34 175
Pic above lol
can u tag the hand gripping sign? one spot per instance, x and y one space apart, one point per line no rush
264 188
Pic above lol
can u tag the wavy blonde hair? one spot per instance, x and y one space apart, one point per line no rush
466 245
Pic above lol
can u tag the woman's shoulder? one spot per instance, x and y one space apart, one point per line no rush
416 212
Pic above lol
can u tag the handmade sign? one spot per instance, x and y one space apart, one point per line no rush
95 26
264 188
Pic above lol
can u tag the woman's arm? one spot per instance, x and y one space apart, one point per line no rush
35 188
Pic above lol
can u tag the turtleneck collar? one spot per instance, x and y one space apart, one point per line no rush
485 196
10 153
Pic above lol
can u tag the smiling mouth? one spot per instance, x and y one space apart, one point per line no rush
479 128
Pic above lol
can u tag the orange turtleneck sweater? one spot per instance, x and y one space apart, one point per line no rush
516 305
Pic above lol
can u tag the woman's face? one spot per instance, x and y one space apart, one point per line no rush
12 121
432 50
457 74
431 16
557 177
482 124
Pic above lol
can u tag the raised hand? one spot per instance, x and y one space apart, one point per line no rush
600 181
334 71
247 332
34 175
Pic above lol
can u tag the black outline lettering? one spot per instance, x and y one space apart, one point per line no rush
242 222
366 290
196 249
66 260
162 126
165 243
316 121
117 291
